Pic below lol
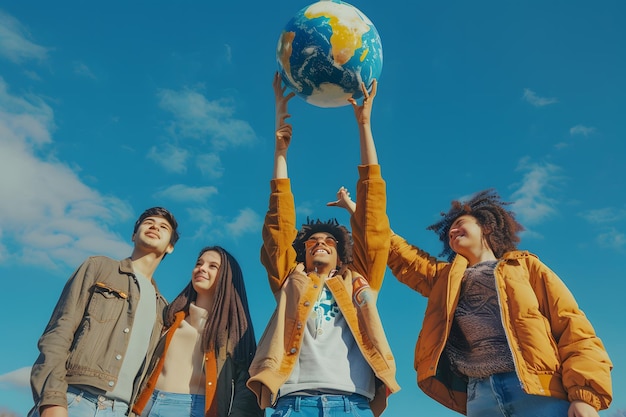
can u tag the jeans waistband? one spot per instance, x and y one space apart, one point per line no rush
156 393
330 400
100 400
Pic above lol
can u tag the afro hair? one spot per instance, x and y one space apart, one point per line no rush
340 233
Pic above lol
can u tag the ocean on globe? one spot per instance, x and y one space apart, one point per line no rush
326 50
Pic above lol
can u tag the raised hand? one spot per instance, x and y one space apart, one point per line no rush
363 112
343 201
283 129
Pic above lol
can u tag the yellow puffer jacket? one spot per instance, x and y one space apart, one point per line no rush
554 346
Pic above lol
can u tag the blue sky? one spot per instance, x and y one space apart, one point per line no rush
108 109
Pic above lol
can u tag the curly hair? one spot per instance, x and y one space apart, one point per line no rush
497 224
341 234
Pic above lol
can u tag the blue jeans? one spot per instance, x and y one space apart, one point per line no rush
323 406
169 404
84 404
501 395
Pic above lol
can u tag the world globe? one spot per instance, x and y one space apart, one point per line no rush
326 51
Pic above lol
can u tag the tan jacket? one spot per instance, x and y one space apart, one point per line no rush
296 292
554 346
87 335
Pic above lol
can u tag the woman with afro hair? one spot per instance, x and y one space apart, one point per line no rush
324 348
502 335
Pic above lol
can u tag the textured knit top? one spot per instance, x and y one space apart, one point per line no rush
477 346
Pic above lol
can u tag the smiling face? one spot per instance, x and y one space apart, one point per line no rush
206 272
321 252
466 238
154 235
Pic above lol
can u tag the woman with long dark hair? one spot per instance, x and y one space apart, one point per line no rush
206 348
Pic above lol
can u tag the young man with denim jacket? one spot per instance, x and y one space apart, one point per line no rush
104 328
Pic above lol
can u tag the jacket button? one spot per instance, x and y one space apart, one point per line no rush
306 304
126 330
111 383
314 285
293 350
118 357
299 325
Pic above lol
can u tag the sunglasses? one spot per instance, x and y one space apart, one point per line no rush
312 241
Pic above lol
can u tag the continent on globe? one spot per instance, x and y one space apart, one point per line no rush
326 50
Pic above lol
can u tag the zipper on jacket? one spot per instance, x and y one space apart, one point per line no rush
504 327
232 396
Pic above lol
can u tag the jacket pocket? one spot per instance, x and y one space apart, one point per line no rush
106 303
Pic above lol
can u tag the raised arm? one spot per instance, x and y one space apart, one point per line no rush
363 115
279 229
283 129
370 226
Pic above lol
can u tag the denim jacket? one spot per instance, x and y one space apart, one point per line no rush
87 336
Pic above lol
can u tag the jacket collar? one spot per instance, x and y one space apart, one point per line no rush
126 266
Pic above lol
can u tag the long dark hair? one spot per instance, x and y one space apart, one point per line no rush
229 324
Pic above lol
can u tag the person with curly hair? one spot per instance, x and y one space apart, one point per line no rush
502 334
200 366
324 348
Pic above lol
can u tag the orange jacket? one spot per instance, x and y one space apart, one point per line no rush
295 291
225 394
554 346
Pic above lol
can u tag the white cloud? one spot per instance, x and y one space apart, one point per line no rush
210 165
19 378
247 221
532 203
30 119
613 239
229 53
14 41
170 157
47 214
185 193
604 215
83 70
197 117
532 97
561 145
582 130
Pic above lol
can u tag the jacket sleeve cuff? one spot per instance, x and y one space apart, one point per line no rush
53 398
280 184
585 395
369 171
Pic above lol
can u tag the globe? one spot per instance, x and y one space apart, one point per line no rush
326 50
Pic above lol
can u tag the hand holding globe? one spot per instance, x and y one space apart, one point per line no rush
326 51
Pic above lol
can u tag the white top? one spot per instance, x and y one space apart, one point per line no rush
183 368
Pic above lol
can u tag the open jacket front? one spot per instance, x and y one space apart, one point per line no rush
296 291
555 349
234 399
